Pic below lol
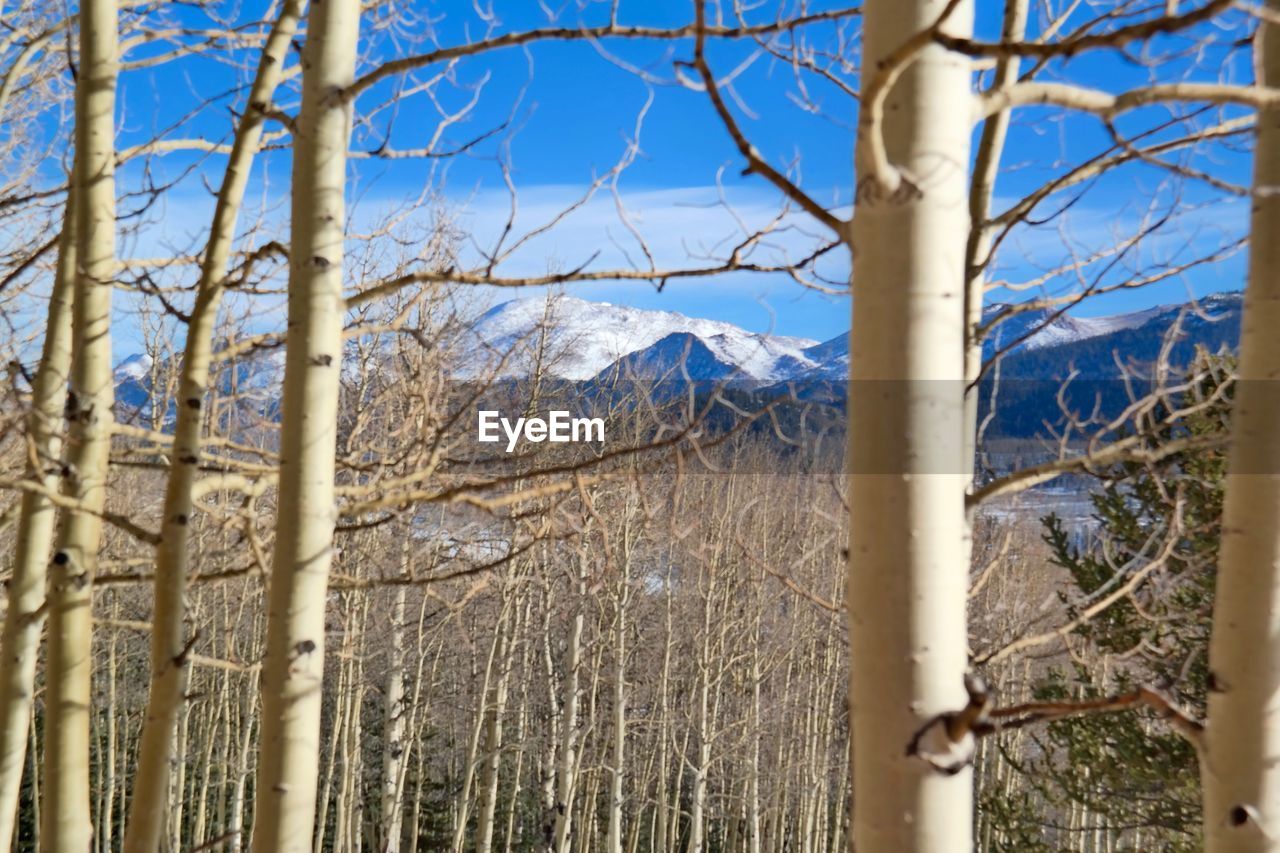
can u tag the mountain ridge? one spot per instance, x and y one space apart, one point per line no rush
587 341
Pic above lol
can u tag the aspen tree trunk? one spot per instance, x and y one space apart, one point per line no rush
1240 761
462 807
35 787
700 766
977 254
589 815
178 783
698 795
514 831
168 636
567 765
235 822
66 808
753 772
19 646
211 735
495 710
293 667
346 733
353 758
547 760
908 564
662 828
108 762
618 756
338 690
394 723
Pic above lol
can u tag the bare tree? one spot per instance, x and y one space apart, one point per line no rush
1241 811
36 523
170 641
66 807
294 665
907 567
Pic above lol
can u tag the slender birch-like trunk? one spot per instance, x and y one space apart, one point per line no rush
986 167
107 835
753 755
514 832
495 711
1240 759
551 737
618 749
663 822
475 741
293 667
66 809
20 644
567 760
393 751
701 765
168 636
908 566
235 821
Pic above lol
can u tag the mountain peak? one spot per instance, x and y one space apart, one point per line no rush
583 338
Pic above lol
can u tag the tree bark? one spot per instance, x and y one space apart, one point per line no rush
169 636
24 617
618 749
1240 761
908 552
294 664
394 710
66 809
567 760
977 254
493 717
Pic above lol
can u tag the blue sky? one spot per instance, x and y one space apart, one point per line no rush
563 113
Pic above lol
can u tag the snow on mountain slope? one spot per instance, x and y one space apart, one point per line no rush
679 356
831 360
1040 331
583 338
136 367
1033 330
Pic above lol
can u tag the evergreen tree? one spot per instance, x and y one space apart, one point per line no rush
1128 769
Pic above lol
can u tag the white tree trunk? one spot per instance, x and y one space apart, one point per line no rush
567 760
393 751
23 619
169 636
494 715
908 562
65 812
986 168
1240 761
618 756
235 820
294 664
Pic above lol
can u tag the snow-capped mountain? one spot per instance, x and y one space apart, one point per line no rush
583 338
133 378
135 367
1031 330
256 382
586 340
1039 344
1095 346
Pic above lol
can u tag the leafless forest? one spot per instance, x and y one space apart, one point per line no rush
265 590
